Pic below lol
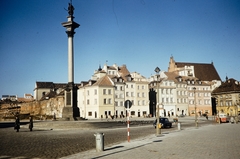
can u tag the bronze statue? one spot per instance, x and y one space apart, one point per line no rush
70 9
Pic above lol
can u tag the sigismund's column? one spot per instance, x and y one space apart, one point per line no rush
71 110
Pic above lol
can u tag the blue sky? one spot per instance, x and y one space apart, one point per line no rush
142 34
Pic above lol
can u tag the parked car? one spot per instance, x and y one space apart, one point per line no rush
164 123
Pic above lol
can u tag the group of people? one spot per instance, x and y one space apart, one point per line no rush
17 124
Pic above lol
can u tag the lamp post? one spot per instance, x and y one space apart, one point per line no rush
196 122
157 70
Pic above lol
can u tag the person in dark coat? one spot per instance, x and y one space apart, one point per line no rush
30 123
17 124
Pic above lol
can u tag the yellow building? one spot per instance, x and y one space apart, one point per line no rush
227 97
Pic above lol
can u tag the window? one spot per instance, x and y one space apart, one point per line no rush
105 101
191 102
200 102
205 102
132 94
142 87
109 101
127 94
95 101
104 91
143 95
133 113
95 91
88 102
221 103
121 103
89 113
143 102
109 91
88 92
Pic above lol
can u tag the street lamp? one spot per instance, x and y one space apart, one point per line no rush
196 123
157 70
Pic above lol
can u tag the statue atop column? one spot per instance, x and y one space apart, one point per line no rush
70 9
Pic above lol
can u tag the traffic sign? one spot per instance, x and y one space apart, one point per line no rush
128 104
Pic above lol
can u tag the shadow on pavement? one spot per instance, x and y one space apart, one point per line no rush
157 141
113 148
120 150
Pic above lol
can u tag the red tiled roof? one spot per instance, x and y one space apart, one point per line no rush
123 71
44 84
231 85
205 72
104 81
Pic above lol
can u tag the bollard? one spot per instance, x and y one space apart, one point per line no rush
179 126
99 142
236 120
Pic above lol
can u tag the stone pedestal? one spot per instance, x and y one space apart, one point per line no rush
71 110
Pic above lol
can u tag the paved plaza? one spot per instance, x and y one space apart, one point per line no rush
207 142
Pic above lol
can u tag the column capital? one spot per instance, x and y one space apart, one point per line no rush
70 33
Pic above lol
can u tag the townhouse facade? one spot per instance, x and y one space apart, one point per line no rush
113 85
182 95
199 98
201 80
227 97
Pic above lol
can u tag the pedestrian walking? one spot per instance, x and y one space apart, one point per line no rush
207 117
17 124
30 123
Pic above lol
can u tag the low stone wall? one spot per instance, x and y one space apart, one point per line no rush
39 109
